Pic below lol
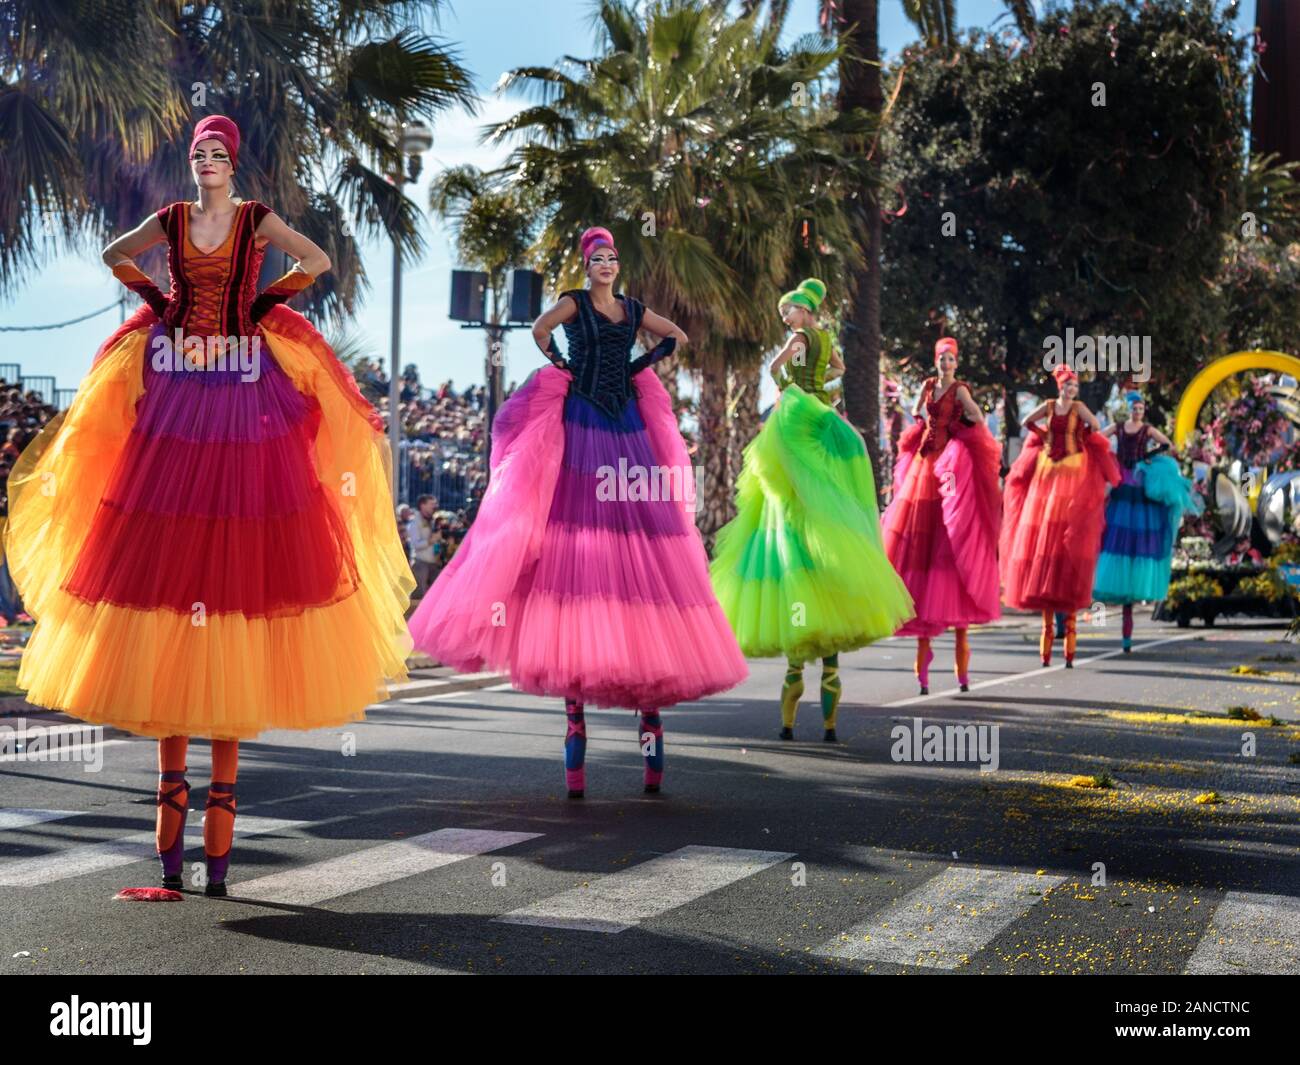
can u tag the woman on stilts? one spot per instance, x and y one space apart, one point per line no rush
219 556
941 529
1054 500
584 575
801 570
1142 517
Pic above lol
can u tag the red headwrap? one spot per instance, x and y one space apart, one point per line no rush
1063 373
945 344
594 238
218 128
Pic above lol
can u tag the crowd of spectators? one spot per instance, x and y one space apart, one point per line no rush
444 446
22 414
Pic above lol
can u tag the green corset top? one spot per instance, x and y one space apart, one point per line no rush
811 375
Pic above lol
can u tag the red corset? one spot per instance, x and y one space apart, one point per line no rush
941 416
1065 434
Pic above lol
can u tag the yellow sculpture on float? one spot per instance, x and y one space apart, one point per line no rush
1210 377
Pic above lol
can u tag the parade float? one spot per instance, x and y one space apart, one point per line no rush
1242 557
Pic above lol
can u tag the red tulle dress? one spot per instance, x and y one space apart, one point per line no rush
941 530
1055 514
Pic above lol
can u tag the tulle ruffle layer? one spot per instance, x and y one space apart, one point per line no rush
270 552
801 570
1051 535
592 597
941 529
1142 520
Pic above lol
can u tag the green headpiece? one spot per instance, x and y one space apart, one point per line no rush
809 295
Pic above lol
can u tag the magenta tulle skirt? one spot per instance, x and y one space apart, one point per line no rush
941 529
583 574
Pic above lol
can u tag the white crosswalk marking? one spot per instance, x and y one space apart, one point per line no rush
93 857
1250 934
945 920
20 818
623 900
315 883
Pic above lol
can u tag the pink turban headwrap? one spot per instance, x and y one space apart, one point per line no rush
218 128
596 237
1063 373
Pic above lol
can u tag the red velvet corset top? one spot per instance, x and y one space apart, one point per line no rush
212 291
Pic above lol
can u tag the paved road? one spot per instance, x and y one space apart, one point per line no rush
435 837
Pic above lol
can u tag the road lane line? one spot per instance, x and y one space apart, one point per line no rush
1248 933
945 921
139 846
1040 671
375 866
623 900
20 818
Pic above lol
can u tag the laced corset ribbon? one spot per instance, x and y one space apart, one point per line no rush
212 291
940 415
598 351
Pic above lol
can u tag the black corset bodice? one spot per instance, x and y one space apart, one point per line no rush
598 351
1132 446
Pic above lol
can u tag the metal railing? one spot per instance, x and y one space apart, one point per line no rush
423 470
43 386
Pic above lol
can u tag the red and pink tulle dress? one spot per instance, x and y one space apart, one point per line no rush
1055 515
941 529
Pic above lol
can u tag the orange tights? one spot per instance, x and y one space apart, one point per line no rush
219 821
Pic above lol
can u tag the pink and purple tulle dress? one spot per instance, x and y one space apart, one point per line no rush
581 575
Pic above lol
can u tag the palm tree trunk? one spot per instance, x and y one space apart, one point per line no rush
860 339
743 404
715 501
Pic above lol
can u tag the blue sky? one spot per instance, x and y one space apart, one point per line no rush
491 36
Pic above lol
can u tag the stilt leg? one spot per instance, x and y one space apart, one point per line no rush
173 806
575 749
924 656
791 692
961 659
652 747
219 816
831 690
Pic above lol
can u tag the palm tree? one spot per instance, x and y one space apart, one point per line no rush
857 22
707 152
97 96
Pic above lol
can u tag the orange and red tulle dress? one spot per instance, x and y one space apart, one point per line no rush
208 545
1055 500
941 529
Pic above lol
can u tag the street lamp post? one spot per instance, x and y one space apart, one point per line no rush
414 139
469 306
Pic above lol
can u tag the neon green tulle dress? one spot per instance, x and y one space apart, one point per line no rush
801 570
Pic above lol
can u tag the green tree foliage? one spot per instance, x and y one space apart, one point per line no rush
97 98
1090 179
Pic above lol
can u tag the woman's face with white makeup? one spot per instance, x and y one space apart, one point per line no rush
210 164
602 267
